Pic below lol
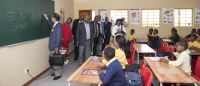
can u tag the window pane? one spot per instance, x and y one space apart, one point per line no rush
151 18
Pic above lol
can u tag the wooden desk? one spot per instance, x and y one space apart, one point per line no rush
142 41
194 53
89 79
144 49
166 73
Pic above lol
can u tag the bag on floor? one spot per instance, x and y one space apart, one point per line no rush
56 59
133 79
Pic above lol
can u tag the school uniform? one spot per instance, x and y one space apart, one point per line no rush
131 37
155 42
183 61
114 75
194 44
150 36
175 38
120 56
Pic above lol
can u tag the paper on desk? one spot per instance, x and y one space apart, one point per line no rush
157 58
89 72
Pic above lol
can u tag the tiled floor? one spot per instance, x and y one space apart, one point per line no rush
47 80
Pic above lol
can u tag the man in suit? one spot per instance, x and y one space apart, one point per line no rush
107 26
74 29
55 41
96 26
84 37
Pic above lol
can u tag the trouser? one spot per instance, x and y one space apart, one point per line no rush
99 46
56 69
96 41
84 52
76 49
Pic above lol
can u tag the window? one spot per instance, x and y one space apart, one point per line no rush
93 14
183 17
103 13
118 14
150 18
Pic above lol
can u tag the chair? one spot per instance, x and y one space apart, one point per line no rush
170 49
197 69
147 76
131 60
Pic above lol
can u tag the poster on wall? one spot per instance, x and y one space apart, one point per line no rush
197 15
168 15
135 16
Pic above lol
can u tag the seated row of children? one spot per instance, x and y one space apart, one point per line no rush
115 55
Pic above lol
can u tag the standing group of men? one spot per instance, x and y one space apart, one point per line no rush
90 37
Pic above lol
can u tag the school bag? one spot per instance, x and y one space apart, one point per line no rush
133 79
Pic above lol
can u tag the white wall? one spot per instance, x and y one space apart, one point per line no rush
164 30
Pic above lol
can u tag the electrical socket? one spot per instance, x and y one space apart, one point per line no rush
26 70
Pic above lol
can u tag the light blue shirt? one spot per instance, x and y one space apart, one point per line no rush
87 28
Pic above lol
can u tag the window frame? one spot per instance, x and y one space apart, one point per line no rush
126 19
159 23
179 24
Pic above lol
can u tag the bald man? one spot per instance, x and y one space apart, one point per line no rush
84 37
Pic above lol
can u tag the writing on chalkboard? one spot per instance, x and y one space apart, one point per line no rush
20 19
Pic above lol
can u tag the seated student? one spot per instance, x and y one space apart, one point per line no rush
132 36
192 41
150 34
183 58
195 45
155 40
119 42
174 37
193 32
114 75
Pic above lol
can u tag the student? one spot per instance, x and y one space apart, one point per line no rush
155 40
132 36
193 32
174 37
119 43
66 34
150 34
195 45
118 29
192 41
183 58
114 75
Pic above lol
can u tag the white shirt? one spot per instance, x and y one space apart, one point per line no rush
116 29
183 61
55 24
113 59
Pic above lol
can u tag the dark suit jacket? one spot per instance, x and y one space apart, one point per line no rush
114 75
81 33
107 27
55 38
75 26
95 32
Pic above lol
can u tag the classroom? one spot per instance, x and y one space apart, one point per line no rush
100 42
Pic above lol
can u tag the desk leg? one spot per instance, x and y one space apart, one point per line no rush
161 84
99 84
138 58
69 84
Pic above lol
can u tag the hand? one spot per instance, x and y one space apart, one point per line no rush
77 44
164 60
46 16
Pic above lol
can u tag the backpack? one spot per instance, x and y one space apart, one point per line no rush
133 79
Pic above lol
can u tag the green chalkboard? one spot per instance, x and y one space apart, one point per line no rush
22 20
